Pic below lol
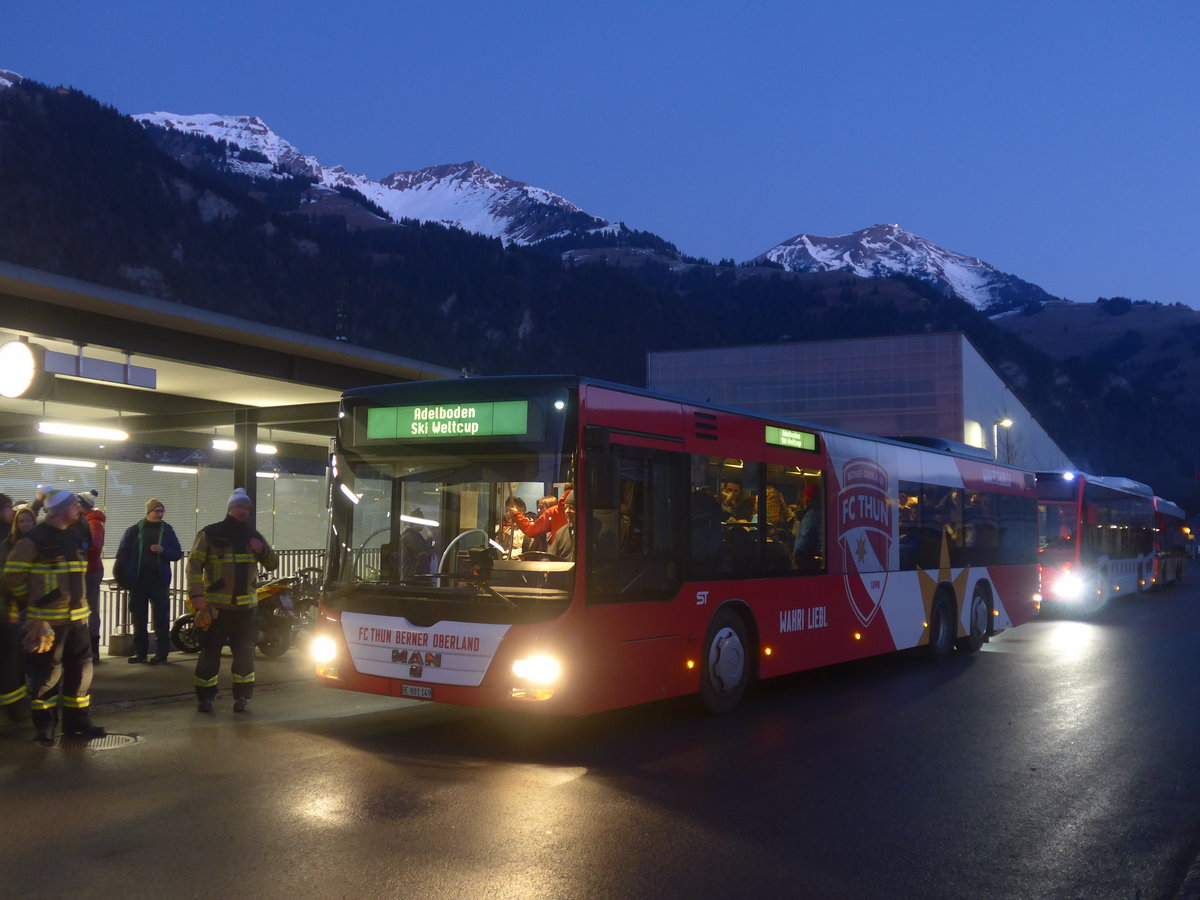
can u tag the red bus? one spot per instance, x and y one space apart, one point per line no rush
1096 539
1170 542
712 547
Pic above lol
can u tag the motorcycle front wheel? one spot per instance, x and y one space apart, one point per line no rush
276 636
184 636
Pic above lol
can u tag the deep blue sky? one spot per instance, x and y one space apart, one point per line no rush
1055 140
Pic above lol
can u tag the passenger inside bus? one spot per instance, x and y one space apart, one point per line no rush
509 536
807 545
562 545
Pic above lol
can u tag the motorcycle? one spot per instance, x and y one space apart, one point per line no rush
286 607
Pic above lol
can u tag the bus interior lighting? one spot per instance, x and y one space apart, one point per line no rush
417 520
353 497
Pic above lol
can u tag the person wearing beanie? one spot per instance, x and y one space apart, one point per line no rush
222 580
45 573
143 567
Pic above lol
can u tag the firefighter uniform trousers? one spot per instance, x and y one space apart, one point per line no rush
238 628
12 676
65 669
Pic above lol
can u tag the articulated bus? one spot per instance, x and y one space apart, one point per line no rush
1096 539
710 547
1170 542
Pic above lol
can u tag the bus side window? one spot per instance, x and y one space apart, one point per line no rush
633 547
909 513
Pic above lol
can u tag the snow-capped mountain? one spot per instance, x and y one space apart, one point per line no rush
465 195
886 250
8 79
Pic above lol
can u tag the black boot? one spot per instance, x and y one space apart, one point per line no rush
44 723
77 723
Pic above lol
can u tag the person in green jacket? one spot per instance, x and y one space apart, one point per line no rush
143 567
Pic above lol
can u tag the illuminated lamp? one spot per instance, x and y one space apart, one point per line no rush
70 429
23 371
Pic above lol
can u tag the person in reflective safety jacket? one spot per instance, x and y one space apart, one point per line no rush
222 580
44 573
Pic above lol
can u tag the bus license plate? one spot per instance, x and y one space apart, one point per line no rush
419 691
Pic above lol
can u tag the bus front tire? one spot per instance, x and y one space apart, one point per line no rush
725 666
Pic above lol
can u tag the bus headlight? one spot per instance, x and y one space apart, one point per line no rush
537 669
324 649
1068 586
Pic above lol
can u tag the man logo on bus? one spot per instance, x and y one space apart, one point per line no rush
864 534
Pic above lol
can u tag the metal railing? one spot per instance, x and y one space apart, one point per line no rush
114 607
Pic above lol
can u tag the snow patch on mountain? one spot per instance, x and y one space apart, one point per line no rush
886 250
9 79
464 195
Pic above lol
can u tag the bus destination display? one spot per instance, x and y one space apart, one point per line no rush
509 417
785 437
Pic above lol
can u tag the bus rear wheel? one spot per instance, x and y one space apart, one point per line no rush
942 626
979 619
725 666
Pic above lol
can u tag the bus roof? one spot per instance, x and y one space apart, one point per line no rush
928 444
1112 482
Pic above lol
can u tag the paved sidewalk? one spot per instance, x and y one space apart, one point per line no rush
119 684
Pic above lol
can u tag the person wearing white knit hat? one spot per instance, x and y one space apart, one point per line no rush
222 581
44 572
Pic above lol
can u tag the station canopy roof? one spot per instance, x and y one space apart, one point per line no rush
177 376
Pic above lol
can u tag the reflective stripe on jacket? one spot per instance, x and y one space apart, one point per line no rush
222 568
44 574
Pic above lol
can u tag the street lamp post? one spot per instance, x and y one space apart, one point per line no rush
996 426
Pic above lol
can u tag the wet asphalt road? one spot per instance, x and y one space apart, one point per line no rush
1062 761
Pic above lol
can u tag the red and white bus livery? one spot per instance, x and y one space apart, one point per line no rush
1170 543
1096 539
694 549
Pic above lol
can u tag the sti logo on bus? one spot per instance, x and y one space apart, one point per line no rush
864 534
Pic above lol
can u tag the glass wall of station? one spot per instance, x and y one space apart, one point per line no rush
290 511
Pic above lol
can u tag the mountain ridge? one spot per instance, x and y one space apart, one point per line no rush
477 199
90 193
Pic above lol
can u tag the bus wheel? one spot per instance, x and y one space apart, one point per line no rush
942 626
724 668
979 619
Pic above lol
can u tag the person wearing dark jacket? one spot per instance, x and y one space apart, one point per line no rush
44 572
222 582
143 567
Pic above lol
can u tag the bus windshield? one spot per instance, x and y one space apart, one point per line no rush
1057 525
451 526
